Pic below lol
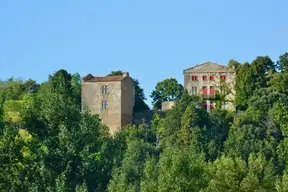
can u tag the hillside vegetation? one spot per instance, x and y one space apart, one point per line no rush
48 144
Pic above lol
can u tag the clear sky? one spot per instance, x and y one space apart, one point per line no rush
152 39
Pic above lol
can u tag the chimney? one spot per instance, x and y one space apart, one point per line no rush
126 74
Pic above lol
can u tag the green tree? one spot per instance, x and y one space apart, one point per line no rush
243 86
234 174
76 88
182 170
282 62
1 114
279 82
233 64
11 89
252 77
60 82
31 86
149 181
167 90
188 121
282 183
57 103
128 176
21 155
169 129
219 124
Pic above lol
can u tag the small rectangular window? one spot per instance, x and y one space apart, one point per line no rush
205 106
104 89
212 90
211 78
212 106
204 91
104 105
204 78
223 77
194 78
194 90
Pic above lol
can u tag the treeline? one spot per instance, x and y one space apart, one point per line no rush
48 144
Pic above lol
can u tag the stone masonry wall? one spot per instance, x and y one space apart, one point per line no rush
92 96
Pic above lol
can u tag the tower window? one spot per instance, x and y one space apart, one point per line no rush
104 105
104 89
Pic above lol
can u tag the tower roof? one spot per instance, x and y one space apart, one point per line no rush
91 78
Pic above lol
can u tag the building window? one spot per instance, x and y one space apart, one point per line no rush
204 91
223 90
205 106
212 90
211 78
194 78
194 90
223 77
104 105
205 78
212 105
104 89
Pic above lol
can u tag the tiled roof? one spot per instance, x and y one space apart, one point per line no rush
91 78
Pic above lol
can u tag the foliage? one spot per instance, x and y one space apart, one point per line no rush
48 144
234 174
282 63
166 90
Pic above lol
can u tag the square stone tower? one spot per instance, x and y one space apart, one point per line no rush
111 97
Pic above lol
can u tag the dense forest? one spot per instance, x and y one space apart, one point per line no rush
48 144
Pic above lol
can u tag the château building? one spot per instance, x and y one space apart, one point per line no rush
111 97
214 82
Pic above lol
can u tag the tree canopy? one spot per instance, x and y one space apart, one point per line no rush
166 90
48 144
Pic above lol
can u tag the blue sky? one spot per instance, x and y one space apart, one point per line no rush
152 39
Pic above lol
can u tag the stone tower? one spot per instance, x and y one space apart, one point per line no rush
111 97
